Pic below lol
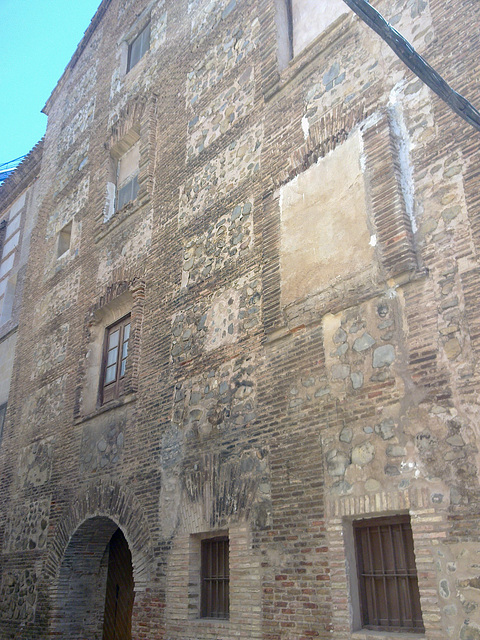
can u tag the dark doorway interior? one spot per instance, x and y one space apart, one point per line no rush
117 621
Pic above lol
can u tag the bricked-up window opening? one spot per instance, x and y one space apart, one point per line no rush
115 356
127 176
215 578
3 412
119 595
139 47
388 585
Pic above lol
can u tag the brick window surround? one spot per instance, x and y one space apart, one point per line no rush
121 303
387 575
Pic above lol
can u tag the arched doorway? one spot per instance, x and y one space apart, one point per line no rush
95 590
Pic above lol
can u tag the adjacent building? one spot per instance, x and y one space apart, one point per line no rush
240 328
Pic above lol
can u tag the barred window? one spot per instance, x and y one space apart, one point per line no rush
215 578
388 585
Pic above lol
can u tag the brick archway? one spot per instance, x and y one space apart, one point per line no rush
78 559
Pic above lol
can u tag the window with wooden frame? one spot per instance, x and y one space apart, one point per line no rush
138 47
215 578
387 575
115 355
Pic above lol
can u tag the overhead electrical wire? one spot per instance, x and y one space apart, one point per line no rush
414 61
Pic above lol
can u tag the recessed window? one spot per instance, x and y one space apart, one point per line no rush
387 575
138 47
127 176
64 240
115 355
215 578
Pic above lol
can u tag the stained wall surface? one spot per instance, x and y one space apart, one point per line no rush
300 272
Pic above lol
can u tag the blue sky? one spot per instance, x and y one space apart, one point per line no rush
37 39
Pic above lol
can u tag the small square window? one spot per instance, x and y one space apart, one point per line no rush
64 240
387 575
215 578
115 355
138 47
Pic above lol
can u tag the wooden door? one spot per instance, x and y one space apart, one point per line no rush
117 621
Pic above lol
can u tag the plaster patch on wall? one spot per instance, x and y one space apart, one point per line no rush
325 232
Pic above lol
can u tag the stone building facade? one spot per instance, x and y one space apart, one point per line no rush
278 224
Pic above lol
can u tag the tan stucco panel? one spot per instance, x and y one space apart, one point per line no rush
324 230
311 18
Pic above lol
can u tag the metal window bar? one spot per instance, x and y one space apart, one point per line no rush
215 578
389 595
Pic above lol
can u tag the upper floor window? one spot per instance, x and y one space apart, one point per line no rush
127 176
387 575
138 47
115 355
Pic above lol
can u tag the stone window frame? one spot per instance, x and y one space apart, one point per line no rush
362 534
124 299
